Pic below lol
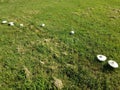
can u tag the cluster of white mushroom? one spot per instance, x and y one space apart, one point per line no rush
112 63
21 25
10 23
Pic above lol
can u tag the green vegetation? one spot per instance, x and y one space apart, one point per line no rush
31 56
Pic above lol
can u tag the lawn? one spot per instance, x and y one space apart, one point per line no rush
36 58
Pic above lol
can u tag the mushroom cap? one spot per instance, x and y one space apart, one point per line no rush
21 25
11 23
101 57
4 21
43 25
72 32
113 64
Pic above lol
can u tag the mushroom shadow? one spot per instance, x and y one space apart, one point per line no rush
107 68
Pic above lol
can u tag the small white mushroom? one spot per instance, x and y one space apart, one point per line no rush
43 25
72 32
113 64
3 22
21 25
11 23
101 57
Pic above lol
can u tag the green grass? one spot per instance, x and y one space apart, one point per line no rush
70 58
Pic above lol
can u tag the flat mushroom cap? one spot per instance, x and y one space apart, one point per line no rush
101 57
113 64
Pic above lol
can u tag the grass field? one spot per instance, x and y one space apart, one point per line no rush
34 57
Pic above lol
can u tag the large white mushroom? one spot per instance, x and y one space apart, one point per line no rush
113 64
101 57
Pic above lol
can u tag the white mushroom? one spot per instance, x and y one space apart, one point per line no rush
72 32
3 22
101 57
113 64
43 25
21 25
11 23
